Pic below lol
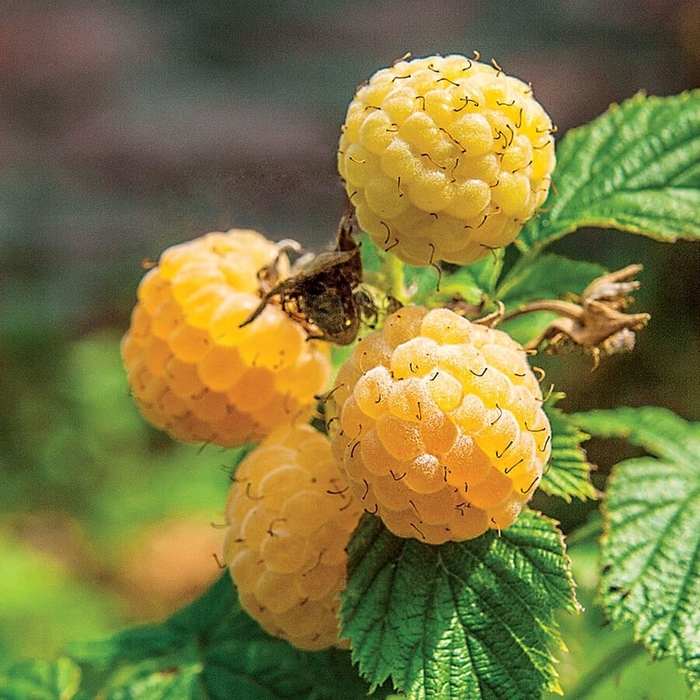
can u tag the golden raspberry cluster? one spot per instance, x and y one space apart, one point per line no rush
445 158
439 427
291 514
436 423
193 371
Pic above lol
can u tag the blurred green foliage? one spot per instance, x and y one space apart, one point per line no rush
84 477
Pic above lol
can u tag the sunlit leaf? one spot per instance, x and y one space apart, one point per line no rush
212 649
41 680
634 168
569 472
462 620
651 549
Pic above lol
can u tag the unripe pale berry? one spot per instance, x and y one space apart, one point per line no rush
438 424
445 158
291 514
193 371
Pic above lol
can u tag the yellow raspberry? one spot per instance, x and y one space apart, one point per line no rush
193 371
291 514
445 158
438 425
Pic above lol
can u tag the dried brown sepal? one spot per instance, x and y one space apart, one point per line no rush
614 288
599 323
271 274
323 295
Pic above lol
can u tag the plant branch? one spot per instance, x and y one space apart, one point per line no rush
394 273
561 308
598 323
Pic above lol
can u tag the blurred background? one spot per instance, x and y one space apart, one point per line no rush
132 125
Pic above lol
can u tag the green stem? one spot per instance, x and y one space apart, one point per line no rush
394 273
557 306
522 263
609 665
590 531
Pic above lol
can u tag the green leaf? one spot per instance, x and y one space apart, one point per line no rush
603 663
547 276
129 646
212 649
41 680
569 473
473 284
487 271
425 285
154 680
372 258
463 620
543 277
460 284
651 549
634 168
425 282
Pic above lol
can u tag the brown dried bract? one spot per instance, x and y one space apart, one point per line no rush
598 323
323 296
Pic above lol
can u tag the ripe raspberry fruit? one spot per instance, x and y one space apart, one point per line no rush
193 371
445 158
291 514
438 425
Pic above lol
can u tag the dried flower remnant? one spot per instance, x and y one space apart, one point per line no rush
598 324
324 295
